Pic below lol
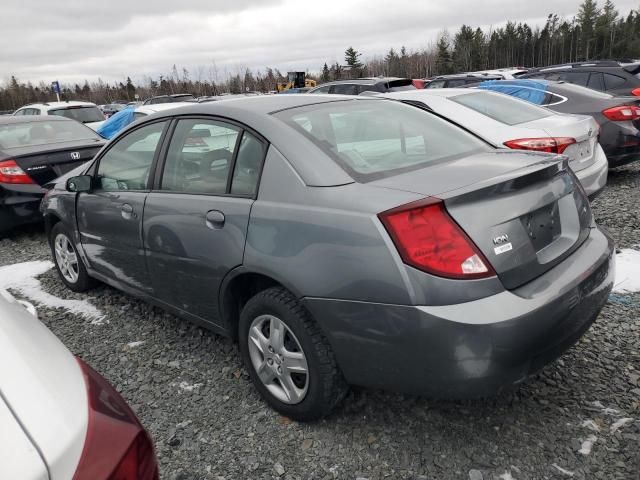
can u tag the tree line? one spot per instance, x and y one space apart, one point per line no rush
595 32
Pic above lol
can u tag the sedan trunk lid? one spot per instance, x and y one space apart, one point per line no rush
584 129
525 211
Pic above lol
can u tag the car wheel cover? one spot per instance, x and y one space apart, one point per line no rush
278 359
66 258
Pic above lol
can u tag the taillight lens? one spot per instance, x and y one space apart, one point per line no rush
116 446
546 144
10 172
622 113
429 239
636 92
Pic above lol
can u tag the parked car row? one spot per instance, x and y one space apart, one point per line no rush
349 241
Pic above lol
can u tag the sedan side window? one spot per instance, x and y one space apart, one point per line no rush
199 157
126 165
247 169
322 89
613 81
344 89
596 81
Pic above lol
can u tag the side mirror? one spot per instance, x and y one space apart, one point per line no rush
81 183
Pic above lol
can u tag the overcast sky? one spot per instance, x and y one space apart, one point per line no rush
73 40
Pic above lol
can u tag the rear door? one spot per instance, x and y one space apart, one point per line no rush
110 216
196 218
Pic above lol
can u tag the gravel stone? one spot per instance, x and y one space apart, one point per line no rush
216 427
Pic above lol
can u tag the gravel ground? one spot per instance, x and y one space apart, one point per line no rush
580 418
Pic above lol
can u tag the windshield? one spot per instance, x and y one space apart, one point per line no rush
30 134
373 139
502 108
86 114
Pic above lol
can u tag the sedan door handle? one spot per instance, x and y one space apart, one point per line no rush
126 208
126 211
214 219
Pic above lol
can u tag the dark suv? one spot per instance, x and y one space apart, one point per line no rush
358 85
460 80
608 76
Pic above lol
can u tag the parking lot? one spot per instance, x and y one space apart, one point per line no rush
580 418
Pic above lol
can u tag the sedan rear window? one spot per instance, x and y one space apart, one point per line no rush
86 114
373 139
30 134
502 108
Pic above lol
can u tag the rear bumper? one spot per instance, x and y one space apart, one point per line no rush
476 348
594 178
19 205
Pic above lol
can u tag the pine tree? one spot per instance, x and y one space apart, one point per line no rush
587 15
443 56
326 74
352 58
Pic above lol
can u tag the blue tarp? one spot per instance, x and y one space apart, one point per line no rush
532 91
116 122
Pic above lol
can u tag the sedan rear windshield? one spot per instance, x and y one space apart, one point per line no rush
29 134
373 139
502 108
80 114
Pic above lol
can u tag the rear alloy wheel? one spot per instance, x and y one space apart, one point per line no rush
68 262
289 359
278 359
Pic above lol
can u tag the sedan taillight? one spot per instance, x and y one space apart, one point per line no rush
546 144
116 445
10 172
636 92
622 113
429 239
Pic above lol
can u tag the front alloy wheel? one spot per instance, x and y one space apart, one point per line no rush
278 359
68 262
66 258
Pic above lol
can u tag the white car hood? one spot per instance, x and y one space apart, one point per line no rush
44 388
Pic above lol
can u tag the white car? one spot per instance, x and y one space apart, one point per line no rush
513 123
59 419
83 112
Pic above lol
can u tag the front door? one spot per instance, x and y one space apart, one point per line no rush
110 216
195 222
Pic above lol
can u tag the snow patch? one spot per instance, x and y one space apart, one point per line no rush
562 470
619 424
187 387
22 277
135 344
587 445
627 271
506 476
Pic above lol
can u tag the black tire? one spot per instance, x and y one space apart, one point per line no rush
326 385
84 282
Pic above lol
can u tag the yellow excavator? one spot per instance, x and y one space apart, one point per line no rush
296 80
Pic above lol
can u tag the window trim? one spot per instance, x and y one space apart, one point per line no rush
93 170
156 186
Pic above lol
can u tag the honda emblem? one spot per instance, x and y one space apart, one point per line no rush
75 155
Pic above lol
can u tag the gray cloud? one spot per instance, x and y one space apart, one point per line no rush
75 39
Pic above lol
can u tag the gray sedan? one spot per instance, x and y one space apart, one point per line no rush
341 241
